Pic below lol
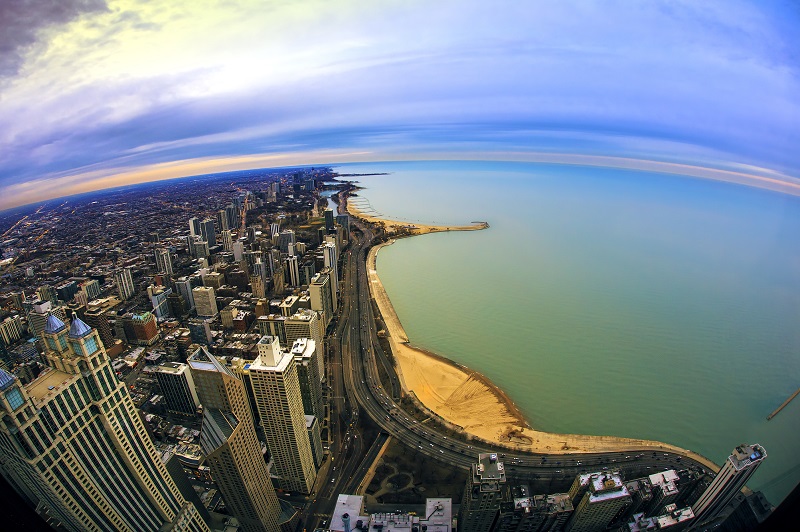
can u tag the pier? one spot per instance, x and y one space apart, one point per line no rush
786 402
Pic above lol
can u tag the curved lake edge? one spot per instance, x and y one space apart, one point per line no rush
466 399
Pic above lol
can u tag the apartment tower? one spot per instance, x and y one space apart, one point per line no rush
276 388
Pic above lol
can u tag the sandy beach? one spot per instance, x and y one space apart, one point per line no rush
466 398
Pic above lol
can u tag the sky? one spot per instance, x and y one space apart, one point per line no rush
96 93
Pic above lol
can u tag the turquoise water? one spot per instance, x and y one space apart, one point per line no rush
608 301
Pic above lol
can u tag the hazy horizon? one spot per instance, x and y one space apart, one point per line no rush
98 94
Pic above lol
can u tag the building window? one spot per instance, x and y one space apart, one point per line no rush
14 398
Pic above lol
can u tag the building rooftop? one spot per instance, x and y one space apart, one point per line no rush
172 367
745 455
78 329
673 516
606 487
438 515
54 324
350 505
489 473
48 383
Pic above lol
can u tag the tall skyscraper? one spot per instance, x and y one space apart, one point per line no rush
323 296
163 261
737 470
293 268
205 301
305 356
38 314
177 387
194 227
207 232
227 240
482 495
332 261
73 442
276 387
305 323
124 280
228 437
184 287
329 222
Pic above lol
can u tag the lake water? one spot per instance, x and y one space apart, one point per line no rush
607 301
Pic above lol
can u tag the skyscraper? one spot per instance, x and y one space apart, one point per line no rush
276 387
331 261
177 387
124 279
329 223
207 232
205 301
482 495
737 470
305 323
323 296
163 261
194 227
228 438
74 443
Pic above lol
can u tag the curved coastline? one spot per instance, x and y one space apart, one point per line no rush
467 399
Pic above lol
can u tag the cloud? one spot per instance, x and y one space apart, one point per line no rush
22 22
711 84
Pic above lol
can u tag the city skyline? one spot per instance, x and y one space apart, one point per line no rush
98 94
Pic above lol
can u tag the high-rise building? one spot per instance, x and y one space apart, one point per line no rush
11 329
227 240
158 298
664 491
329 222
140 329
37 316
91 288
737 470
276 388
284 239
228 438
194 226
323 296
163 261
305 323
483 494
205 301
124 280
315 439
293 268
604 498
331 261
207 232
184 287
222 220
272 325
177 387
305 356
73 443
98 319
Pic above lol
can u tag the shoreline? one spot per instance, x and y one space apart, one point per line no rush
466 398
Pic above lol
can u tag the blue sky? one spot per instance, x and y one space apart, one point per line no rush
96 94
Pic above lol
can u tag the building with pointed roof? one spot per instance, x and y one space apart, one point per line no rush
74 445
